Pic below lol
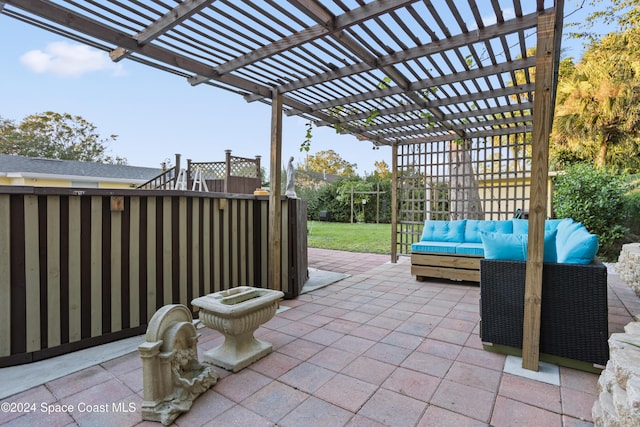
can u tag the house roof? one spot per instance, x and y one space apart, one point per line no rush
390 72
12 165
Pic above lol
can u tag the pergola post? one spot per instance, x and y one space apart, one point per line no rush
275 210
549 31
394 202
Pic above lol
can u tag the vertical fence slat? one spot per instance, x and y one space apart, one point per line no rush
234 258
183 222
167 285
206 244
75 270
32 272
193 261
152 248
53 271
225 246
217 243
95 286
116 267
135 260
5 277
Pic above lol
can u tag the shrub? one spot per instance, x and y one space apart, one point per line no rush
632 201
596 198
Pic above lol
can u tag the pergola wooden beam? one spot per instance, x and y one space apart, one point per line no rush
549 29
177 15
402 109
329 24
477 73
428 49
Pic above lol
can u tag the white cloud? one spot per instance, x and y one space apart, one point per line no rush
63 59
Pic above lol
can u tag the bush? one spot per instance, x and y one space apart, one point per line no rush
596 198
632 202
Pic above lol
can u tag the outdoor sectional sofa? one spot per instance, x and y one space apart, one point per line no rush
574 309
453 249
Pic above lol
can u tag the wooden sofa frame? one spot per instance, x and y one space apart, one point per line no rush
445 266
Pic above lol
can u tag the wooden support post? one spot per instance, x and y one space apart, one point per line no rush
549 34
394 202
227 169
275 178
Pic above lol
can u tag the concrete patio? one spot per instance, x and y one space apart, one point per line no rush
376 348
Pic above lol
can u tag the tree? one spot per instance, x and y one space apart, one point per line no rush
625 14
56 136
382 169
330 162
464 197
599 104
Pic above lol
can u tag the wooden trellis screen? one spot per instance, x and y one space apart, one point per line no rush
487 178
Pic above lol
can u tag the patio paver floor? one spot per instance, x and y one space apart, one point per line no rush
376 348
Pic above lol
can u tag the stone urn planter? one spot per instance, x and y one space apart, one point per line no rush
237 313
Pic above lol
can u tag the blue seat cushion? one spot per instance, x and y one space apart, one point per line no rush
443 231
433 246
470 249
474 227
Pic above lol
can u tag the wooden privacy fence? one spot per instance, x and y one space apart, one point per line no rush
84 267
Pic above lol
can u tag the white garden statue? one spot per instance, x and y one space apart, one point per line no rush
291 180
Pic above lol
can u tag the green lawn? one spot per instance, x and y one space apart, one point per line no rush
371 238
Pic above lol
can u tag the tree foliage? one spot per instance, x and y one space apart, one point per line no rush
598 108
56 136
624 14
382 169
330 162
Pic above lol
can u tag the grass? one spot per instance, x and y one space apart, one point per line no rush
370 238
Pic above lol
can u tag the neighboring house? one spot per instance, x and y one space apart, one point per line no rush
40 172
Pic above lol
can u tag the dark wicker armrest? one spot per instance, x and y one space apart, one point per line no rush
574 312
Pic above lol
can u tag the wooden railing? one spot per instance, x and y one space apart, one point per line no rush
234 175
84 267
165 181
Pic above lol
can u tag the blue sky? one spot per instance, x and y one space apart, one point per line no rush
156 114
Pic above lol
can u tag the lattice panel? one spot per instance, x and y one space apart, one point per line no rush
475 179
246 168
210 170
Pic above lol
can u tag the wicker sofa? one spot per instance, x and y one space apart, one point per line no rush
453 249
574 311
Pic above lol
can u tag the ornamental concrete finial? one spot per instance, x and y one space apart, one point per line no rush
172 375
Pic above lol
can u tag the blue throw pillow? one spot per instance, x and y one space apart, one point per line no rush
513 247
579 248
443 231
474 227
552 224
520 226
565 227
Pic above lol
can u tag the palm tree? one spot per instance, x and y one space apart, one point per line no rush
599 104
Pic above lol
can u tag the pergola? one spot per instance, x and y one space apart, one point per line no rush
392 72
